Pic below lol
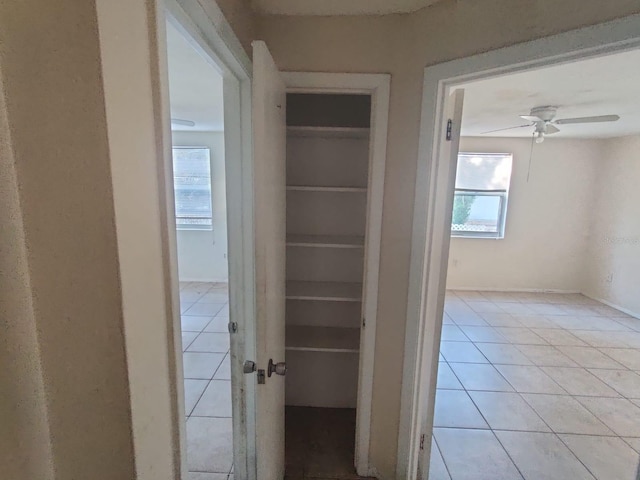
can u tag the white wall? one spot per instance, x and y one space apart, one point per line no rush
202 254
613 270
547 222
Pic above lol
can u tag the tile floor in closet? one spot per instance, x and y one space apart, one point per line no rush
536 386
207 380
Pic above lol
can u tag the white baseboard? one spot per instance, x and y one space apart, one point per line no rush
513 290
548 290
613 305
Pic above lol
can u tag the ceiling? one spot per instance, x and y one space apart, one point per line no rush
338 7
195 86
598 86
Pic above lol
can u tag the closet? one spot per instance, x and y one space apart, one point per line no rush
327 173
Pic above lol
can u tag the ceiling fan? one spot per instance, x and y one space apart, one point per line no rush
542 118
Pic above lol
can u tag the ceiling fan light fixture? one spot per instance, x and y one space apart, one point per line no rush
539 137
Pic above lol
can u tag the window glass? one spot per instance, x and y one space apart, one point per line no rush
192 186
480 200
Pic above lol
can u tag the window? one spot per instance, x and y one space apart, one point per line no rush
480 199
192 186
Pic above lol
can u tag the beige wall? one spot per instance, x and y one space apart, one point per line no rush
548 219
25 448
403 45
202 254
614 247
239 14
50 62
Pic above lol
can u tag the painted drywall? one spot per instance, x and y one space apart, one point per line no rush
403 45
52 86
240 15
25 446
613 259
202 254
547 222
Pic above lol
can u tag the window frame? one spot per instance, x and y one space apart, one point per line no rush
194 227
503 194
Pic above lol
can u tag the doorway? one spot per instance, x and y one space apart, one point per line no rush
212 203
198 152
336 148
429 265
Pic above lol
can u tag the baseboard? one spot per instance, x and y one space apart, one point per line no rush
513 290
549 290
613 305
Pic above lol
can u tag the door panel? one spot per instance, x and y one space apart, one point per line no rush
442 211
269 152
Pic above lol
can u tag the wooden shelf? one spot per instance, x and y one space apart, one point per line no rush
322 339
325 241
333 132
324 291
312 188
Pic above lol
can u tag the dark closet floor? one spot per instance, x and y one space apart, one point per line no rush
320 443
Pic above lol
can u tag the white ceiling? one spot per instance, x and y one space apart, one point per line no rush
195 86
599 86
339 7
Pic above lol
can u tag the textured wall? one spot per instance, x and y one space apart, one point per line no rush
50 62
548 219
614 247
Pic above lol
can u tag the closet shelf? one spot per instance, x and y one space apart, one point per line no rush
322 339
324 291
325 241
312 188
334 132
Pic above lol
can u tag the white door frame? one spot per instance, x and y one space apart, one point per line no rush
205 27
427 277
376 85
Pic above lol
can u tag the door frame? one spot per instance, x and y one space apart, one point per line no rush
205 27
428 268
378 86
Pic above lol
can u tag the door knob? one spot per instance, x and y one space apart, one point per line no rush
249 366
279 368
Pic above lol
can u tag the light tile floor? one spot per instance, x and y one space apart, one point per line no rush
207 380
536 386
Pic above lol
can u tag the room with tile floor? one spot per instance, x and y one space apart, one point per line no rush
536 386
207 380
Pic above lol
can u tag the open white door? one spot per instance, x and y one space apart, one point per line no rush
269 153
440 212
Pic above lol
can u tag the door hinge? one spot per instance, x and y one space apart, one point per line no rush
422 442
449 129
233 327
364 322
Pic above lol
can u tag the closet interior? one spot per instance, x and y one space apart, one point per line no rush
327 193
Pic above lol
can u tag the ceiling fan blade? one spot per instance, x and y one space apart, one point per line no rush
597 119
531 118
551 130
508 128
186 123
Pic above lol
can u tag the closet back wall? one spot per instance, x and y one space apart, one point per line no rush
202 254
